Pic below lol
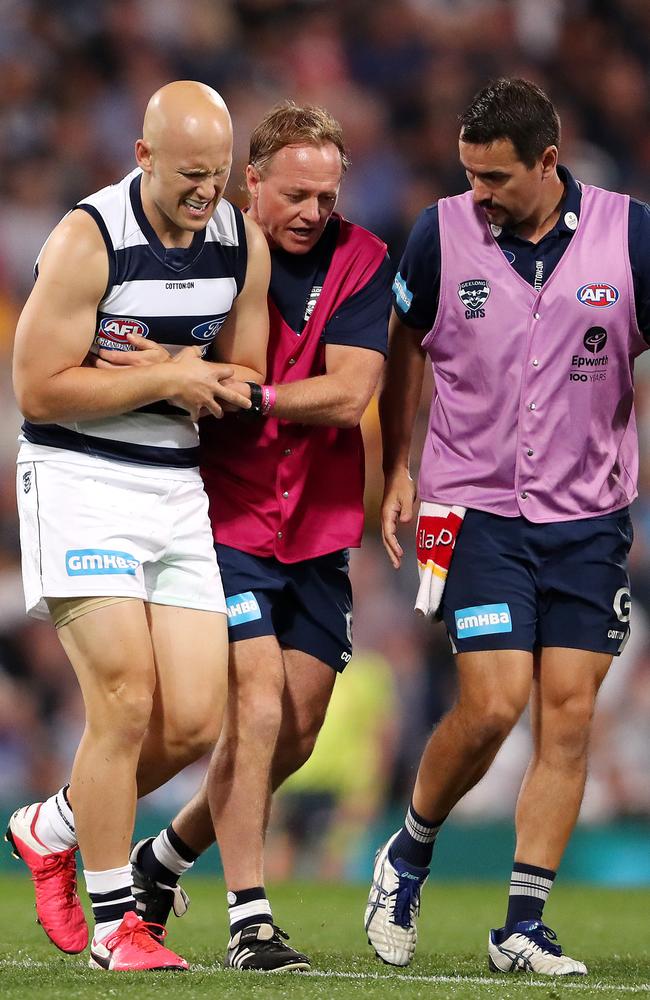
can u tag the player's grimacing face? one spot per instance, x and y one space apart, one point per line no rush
505 188
185 185
294 195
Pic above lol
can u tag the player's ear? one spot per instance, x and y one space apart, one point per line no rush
549 160
253 179
143 155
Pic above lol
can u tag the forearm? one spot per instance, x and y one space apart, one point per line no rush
241 373
399 399
323 400
90 394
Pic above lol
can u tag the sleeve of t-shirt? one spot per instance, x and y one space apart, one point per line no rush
362 320
416 288
639 248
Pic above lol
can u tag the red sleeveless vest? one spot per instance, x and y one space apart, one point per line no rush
283 489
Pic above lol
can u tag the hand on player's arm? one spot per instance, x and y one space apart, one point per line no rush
340 396
227 391
56 329
399 398
145 352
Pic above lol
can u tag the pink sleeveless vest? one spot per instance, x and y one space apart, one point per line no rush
533 408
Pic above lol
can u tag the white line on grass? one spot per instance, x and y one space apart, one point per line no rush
28 963
482 980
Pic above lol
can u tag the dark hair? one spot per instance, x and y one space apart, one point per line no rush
290 124
512 109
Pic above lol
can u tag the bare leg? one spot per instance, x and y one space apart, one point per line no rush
305 696
494 687
564 696
110 650
239 776
193 823
308 688
191 656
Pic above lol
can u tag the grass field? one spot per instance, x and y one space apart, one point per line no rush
607 928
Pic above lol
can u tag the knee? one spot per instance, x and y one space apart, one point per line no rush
259 714
566 725
125 709
296 742
187 740
294 749
489 721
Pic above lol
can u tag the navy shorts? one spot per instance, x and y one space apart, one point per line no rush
305 605
513 584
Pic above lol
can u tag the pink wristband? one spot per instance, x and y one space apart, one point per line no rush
268 399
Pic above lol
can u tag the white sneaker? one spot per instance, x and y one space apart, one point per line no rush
393 906
531 946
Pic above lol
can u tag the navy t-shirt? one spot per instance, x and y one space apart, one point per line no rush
416 289
296 281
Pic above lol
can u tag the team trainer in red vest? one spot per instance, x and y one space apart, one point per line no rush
286 503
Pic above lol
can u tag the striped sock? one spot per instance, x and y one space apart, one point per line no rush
166 857
111 895
55 823
529 889
414 842
248 906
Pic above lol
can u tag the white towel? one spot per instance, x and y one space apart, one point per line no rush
435 536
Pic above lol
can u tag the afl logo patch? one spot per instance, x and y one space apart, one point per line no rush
209 330
475 293
113 331
598 294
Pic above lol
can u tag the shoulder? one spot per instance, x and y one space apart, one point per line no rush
639 219
227 225
350 230
426 228
255 238
75 257
638 235
107 197
76 239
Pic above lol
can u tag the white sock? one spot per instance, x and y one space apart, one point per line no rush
55 823
168 856
111 895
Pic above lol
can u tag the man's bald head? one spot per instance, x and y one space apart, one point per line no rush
185 155
183 111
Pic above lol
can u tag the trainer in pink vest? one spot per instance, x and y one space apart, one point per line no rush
283 489
533 409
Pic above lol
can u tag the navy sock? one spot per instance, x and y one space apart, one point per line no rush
248 906
111 906
529 889
169 844
414 842
180 846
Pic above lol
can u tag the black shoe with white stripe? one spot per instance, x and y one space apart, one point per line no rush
261 947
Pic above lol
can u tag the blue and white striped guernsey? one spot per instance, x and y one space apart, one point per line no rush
175 297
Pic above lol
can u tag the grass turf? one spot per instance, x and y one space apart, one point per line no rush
607 928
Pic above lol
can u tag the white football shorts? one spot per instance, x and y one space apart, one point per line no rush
114 531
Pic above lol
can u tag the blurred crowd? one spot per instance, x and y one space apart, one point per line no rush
75 76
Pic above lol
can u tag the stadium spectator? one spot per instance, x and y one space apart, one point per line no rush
532 437
115 536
